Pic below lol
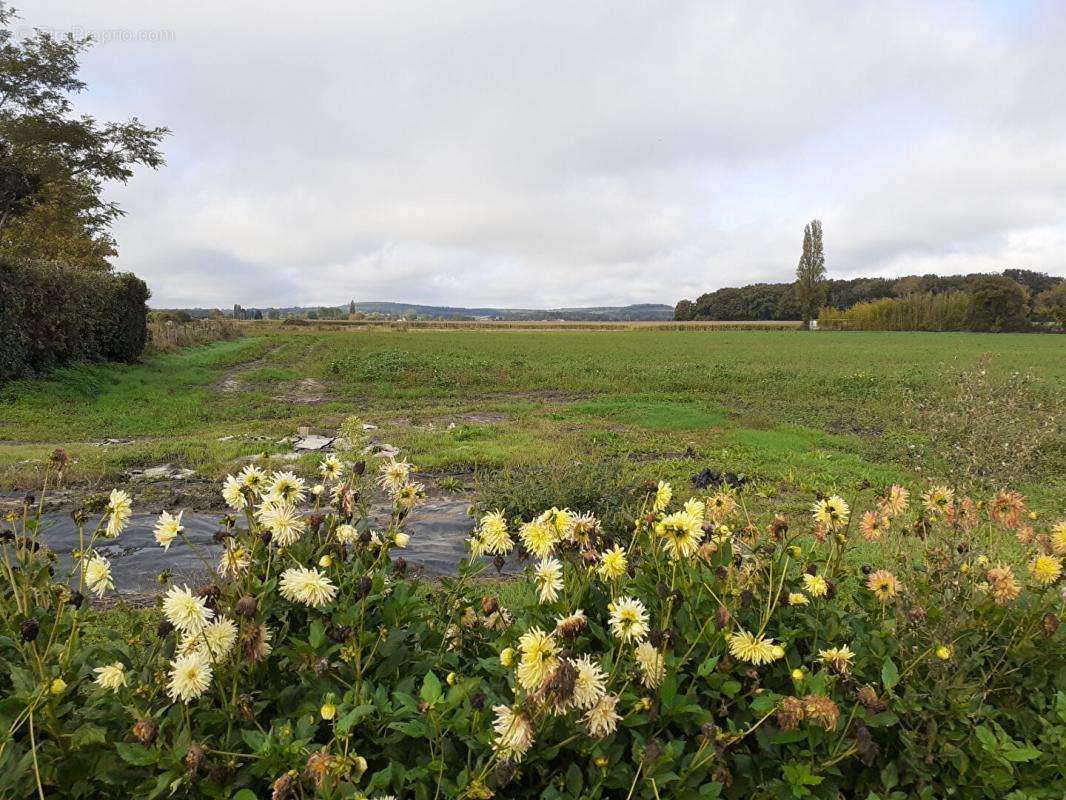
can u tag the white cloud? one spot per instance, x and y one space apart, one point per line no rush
567 154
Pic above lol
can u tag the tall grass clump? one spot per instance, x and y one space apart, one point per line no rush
908 649
921 311
168 336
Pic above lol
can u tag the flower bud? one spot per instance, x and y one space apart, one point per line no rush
943 652
452 678
144 731
325 562
29 630
194 756
507 657
247 606
58 685
328 711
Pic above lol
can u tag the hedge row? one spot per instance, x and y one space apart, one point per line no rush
52 314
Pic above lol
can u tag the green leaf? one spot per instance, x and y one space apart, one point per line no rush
245 794
706 668
87 734
890 776
431 689
1020 754
889 674
986 737
317 634
352 717
574 779
136 754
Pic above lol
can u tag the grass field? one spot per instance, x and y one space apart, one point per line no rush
795 411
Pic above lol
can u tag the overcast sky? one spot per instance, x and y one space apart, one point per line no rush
559 154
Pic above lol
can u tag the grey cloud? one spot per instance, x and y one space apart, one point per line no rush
564 154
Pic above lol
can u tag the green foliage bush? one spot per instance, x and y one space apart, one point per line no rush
889 654
52 314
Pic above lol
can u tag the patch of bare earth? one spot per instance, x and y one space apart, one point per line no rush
307 392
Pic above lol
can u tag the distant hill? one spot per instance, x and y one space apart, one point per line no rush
638 312
633 313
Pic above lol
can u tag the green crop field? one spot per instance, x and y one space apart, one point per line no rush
788 409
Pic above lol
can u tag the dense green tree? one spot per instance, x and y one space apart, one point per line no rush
1052 304
684 310
55 163
999 304
810 273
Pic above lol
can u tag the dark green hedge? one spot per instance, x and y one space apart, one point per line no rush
52 314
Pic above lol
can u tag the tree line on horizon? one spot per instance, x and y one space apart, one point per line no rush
1013 299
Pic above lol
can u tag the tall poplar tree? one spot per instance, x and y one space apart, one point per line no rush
810 273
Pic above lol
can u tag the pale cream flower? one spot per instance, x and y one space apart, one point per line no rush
286 488
331 468
549 579
185 611
394 475
590 682
283 521
602 718
663 495
233 561
613 564
97 573
111 676
831 512
514 733
695 508
651 663
839 658
216 640
753 649
307 586
346 534
629 619
539 537
119 509
409 495
539 657
190 676
233 493
253 477
681 533
816 585
167 529
493 529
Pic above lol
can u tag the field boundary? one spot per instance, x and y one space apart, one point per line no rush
541 325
